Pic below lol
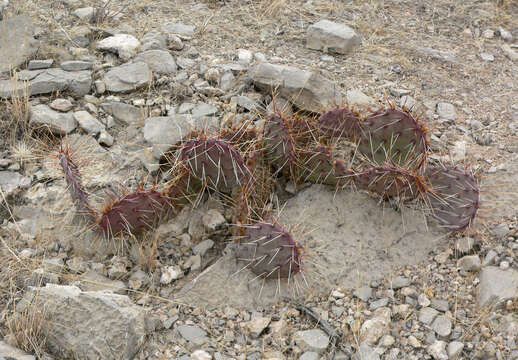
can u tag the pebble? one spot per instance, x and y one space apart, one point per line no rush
257 325
192 333
309 355
423 300
469 263
312 340
440 304
501 230
62 105
454 349
438 350
378 304
446 111
487 56
201 355
170 273
427 315
203 247
442 326
363 293
400 282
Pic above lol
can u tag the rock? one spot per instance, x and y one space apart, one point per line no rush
427 315
438 350
442 326
17 42
307 90
170 273
174 42
153 40
490 257
40 64
364 293
127 113
487 56
501 230
76 65
509 52
85 13
88 123
469 263
124 45
455 349
105 138
373 329
201 355
58 123
378 303
93 281
488 34
464 245
366 352
88 325
62 105
257 325
203 247
8 352
227 80
312 340
408 102
213 219
400 282
358 98
165 131
423 300
192 333
12 181
184 31
280 105
244 56
204 109
128 77
505 35
497 286
440 305
159 61
332 37
309 355
446 111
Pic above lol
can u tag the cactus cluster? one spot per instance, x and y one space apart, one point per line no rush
388 158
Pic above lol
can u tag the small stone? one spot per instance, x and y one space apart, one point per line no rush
358 98
504 265
446 111
124 45
438 350
40 64
337 294
174 42
364 293
400 282
442 326
427 315
487 56
244 56
328 36
373 329
192 333
170 273
505 35
399 92
58 123
62 105
309 355
227 81
85 13
128 77
203 247
88 123
378 304
105 139
76 65
366 352
212 76
312 340
257 325
408 102
454 349
184 31
488 34
412 340
509 52
213 219
195 262
440 305
159 61
204 109
423 300
469 263
201 355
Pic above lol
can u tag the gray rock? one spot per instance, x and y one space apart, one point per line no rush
509 52
40 64
358 98
123 112
153 40
312 340
427 315
332 37
8 352
62 105
408 102
124 45
378 303
505 35
497 286
12 181
58 123
203 247
88 123
501 230
400 282
442 326
438 350
490 257
448 56
185 31
366 352
227 81
455 349
88 325
165 131
213 219
446 111
105 138
307 90
76 65
185 63
440 305
244 56
280 105
85 13
257 325
469 263
192 333
17 42
174 42
364 293
128 77
309 355
373 329
93 281
159 61
204 109
487 56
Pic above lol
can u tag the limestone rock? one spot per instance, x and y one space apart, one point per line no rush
128 77
496 286
17 42
124 45
58 123
332 37
159 61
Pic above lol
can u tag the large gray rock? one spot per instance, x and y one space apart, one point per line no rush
332 37
17 43
497 286
312 340
159 61
128 77
57 122
124 45
8 352
88 325
307 90
185 31
11 181
124 112
349 233
88 123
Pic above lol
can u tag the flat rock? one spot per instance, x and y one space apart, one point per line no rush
88 123
76 65
306 90
312 340
446 111
427 315
88 325
185 31
17 42
344 239
192 333
62 105
92 281
124 45
332 37
11 181
442 326
497 286
124 112
159 61
58 123
40 64
165 131
128 77
204 109
8 352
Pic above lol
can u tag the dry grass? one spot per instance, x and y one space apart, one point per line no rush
14 115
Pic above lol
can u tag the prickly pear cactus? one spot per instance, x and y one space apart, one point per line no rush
454 196
339 123
279 143
393 136
269 251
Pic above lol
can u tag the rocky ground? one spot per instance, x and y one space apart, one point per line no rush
121 81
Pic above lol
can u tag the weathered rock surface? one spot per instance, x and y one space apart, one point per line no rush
123 112
497 285
306 90
17 42
159 61
332 37
128 77
124 45
88 325
8 352
11 181
57 122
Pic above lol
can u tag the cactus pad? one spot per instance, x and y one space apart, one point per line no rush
216 163
269 251
279 143
454 196
393 136
134 212
339 123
